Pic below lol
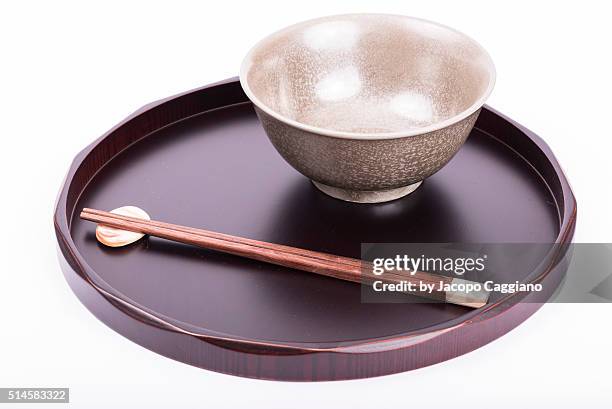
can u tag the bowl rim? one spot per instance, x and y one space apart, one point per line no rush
247 64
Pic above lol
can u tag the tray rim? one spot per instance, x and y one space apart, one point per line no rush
392 342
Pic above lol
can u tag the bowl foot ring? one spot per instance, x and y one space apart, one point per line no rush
367 196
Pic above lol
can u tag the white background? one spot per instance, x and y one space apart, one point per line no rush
70 70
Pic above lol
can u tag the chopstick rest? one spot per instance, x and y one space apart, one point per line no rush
113 237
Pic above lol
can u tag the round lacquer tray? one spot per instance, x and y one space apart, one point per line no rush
201 159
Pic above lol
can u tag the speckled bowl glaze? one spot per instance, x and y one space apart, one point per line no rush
367 105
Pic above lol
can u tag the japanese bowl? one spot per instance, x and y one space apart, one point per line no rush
367 105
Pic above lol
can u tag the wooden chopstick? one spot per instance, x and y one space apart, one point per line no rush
343 268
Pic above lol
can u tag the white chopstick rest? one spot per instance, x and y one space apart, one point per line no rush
112 237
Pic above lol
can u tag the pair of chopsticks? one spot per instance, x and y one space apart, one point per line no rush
343 268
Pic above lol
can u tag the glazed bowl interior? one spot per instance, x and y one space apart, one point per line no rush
368 75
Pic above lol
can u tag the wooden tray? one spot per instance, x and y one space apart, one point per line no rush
201 159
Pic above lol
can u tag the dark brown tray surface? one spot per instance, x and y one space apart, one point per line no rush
218 171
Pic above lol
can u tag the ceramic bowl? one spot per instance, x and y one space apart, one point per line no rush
366 105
